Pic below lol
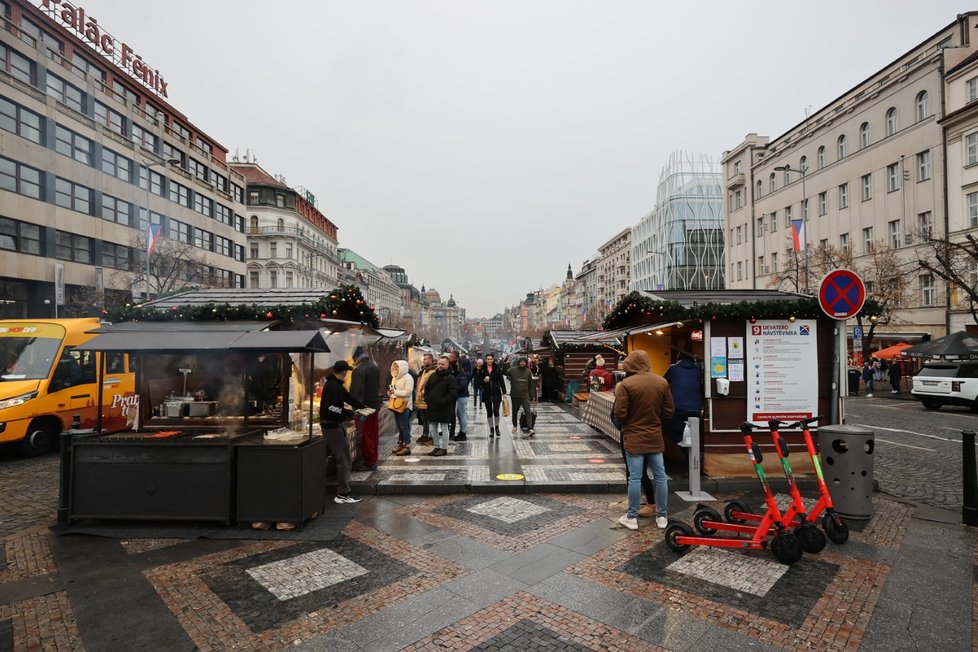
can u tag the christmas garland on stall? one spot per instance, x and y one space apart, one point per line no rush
345 302
636 308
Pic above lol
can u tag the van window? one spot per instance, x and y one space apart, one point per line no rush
115 363
28 358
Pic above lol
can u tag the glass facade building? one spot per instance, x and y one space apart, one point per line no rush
680 244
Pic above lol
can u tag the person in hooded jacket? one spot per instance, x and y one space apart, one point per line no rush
643 405
402 386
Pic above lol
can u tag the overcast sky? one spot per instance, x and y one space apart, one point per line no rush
483 146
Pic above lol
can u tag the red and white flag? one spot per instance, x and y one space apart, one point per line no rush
798 235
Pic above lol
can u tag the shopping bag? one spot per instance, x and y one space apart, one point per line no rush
506 406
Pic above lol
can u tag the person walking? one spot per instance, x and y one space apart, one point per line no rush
441 392
331 416
420 399
895 373
549 377
365 386
868 378
402 386
520 383
643 404
493 385
476 387
452 367
462 381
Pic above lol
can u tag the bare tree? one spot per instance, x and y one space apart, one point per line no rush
956 262
174 266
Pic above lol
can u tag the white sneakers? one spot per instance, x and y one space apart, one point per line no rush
630 523
869 396
661 522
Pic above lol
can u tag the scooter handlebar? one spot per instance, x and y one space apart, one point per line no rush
803 423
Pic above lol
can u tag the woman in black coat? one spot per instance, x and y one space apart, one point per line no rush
490 378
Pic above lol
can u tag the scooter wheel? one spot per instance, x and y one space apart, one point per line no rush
735 506
835 528
705 514
810 538
678 529
785 548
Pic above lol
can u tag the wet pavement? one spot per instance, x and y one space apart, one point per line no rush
535 563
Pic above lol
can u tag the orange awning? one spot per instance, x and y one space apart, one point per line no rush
890 352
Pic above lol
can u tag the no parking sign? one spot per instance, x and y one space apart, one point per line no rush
841 294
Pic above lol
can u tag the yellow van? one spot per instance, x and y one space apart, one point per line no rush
44 383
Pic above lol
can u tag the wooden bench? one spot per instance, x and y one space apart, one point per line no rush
580 397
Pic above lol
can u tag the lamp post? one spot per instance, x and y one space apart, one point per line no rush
804 211
149 221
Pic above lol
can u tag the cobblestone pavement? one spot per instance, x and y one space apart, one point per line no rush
490 571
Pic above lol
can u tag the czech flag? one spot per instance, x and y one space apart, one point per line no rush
152 236
798 235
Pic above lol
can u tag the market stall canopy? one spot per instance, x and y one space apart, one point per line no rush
201 336
890 352
691 298
956 346
611 339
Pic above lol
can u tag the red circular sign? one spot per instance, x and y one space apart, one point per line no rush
841 294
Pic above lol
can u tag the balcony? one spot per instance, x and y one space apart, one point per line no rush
735 181
302 235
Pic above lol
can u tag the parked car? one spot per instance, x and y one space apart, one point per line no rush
947 383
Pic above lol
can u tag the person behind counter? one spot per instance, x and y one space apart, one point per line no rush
331 416
365 385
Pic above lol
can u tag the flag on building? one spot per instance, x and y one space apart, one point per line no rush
798 235
152 236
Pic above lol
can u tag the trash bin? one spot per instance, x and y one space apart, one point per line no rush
847 462
854 376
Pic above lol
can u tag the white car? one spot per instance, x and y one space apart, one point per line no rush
947 383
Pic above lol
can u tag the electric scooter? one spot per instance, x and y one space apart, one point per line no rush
784 546
835 528
707 520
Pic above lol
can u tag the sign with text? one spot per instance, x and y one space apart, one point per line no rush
782 370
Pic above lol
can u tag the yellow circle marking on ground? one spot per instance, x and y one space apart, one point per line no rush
509 476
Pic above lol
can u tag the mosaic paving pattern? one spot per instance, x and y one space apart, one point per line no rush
139 546
508 510
42 623
563 513
417 472
316 587
524 622
823 601
574 473
534 449
26 555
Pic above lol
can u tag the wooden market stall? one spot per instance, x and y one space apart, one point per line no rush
220 428
572 350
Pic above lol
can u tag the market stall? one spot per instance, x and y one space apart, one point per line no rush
221 429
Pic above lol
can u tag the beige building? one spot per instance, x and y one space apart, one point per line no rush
864 172
376 285
613 268
85 148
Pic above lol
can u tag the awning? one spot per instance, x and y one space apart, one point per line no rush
282 341
166 337
631 330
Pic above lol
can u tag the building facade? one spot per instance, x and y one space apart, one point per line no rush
864 175
376 285
414 306
680 244
92 155
613 268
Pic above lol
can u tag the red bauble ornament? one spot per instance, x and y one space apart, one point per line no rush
269 314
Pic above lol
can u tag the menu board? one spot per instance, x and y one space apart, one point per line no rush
782 370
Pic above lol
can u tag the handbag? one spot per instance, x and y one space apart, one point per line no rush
506 408
397 404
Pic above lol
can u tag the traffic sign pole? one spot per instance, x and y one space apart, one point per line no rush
841 295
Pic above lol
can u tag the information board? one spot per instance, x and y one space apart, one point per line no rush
782 370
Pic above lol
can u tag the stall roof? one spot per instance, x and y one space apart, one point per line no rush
687 298
618 333
241 297
201 336
597 338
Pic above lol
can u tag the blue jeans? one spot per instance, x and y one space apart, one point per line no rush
636 467
461 417
403 421
439 431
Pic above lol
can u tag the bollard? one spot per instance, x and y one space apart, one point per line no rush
969 511
695 494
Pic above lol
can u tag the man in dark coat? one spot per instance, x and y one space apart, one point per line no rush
686 384
365 385
332 414
440 393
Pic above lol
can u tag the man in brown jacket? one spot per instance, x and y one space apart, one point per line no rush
643 404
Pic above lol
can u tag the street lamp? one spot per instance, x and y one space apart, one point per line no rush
149 221
804 211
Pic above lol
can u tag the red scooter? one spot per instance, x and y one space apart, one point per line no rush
737 511
784 546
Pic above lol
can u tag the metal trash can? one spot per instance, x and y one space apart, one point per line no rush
854 376
847 462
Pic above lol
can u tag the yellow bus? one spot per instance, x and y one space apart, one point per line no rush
44 383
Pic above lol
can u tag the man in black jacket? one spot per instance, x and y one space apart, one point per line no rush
331 416
440 393
365 385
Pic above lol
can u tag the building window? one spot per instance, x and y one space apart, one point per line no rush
841 147
18 120
774 263
971 141
844 196
893 227
116 256
760 227
926 289
893 177
774 222
273 250
223 246
771 186
70 246
760 267
17 65
738 202
19 178
144 138
925 223
740 271
803 164
972 85
253 250
223 214
923 166
203 239
804 209
759 186
20 236
73 196
864 135
179 231
923 105
253 279
197 169
823 203
823 244
238 193
115 210
203 205
116 164
820 158
787 217
844 241
288 250
179 194
972 209
273 279
70 96
72 145
288 279
867 187
891 121
868 239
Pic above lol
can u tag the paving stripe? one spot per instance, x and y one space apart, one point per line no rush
920 448
909 432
